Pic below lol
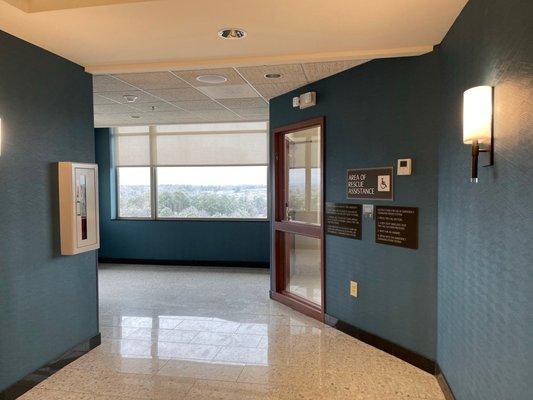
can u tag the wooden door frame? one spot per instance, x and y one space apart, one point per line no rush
280 263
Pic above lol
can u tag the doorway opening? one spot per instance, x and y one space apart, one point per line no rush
298 225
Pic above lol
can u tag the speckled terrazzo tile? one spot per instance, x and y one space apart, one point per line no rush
227 339
279 375
189 351
211 302
117 363
217 390
202 370
247 355
116 332
208 326
109 383
44 394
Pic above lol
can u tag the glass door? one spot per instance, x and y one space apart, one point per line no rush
298 226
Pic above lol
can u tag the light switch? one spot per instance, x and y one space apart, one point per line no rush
353 288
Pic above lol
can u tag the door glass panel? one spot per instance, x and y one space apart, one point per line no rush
303 165
304 261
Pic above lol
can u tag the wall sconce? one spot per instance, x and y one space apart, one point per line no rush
478 124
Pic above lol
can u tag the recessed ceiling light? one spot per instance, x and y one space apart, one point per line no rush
130 98
272 76
213 79
232 33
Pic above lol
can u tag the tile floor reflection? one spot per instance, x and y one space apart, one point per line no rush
176 333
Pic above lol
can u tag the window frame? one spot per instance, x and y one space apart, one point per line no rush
154 188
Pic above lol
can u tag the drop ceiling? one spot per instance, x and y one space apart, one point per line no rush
166 97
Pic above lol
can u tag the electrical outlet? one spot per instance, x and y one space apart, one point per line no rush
353 288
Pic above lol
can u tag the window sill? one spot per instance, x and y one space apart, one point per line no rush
193 219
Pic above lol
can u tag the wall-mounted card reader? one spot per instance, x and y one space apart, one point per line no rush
405 166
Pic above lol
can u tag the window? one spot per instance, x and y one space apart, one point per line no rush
213 171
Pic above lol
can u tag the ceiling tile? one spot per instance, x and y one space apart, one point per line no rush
153 80
108 120
155 107
233 78
182 94
248 112
112 109
317 71
142 97
218 115
229 91
99 100
199 105
170 117
289 73
273 90
255 102
105 83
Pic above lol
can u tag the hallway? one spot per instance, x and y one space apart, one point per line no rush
213 333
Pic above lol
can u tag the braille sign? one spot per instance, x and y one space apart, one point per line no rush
370 183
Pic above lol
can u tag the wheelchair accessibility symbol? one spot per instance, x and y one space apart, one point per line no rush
383 183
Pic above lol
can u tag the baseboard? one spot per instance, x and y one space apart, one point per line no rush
387 346
443 383
33 379
191 263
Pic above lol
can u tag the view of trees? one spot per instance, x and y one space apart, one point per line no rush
188 201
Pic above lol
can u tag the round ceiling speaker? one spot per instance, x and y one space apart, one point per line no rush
212 79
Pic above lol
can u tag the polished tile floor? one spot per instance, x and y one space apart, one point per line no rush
176 333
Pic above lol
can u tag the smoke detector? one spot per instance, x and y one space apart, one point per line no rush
130 98
232 33
212 79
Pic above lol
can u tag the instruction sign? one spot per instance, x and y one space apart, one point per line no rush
397 226
343 220
370 183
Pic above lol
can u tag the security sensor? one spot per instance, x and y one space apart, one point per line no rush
405 166
295 102
307 100
304 101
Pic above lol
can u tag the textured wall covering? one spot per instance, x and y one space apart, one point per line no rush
485 229
376 113
47 302
388 109
241 241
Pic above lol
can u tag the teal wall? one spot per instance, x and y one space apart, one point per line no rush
48 302
244 242
464 297
485 231
375 114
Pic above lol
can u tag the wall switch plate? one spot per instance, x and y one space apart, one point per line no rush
353 288
368 211
405 166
